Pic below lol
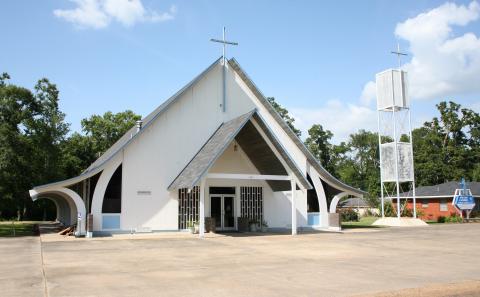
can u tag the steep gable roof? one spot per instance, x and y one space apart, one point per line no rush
219 141
147 121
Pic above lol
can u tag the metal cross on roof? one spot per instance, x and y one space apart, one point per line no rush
224 42
399 55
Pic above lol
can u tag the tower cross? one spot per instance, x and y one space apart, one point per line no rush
399 55
224 71
224 43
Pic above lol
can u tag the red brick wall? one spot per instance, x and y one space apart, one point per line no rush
432 212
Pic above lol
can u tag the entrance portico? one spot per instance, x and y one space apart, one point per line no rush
269 165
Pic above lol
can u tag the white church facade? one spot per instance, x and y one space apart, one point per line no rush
216 149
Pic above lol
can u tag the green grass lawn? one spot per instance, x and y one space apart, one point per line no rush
21 229
365 222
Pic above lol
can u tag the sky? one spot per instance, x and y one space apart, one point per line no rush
317 58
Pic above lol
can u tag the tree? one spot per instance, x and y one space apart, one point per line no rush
283 112
318 142
359 166
101 132
26 129
447 148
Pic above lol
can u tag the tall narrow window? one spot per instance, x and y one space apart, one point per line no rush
188 206
251 203
112 200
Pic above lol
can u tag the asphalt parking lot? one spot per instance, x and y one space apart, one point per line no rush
383 262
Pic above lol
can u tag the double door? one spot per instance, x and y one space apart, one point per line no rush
222 208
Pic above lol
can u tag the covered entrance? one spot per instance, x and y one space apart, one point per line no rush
250 138
222 207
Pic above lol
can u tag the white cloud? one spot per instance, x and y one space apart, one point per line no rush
442 64
341 118
368 93
100 13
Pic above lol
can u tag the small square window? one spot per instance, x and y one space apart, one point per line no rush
443 205
424 203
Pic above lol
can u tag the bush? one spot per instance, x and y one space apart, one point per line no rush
389 209
441 219
454 218
349 215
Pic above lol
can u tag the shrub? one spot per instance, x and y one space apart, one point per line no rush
349 215
454 218
389 209
441 219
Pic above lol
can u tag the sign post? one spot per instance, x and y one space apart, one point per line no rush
463 200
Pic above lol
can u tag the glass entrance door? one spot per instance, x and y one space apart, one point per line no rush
228 213
222 208
216 210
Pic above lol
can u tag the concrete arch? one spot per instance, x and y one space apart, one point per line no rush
101 187
69 204
322 198
335 200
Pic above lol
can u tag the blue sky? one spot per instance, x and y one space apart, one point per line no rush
317 58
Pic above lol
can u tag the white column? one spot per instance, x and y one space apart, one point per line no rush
201 231
294 208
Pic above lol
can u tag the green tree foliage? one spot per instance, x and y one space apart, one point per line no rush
100 133
358 163
283 112
318 142
448 148
445 149
31 130
35 148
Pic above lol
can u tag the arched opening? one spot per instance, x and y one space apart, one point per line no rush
65 210
112 200
70 206
44 210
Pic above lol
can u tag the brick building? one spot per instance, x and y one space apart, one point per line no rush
435 201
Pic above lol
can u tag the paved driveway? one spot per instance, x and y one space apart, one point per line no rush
321 264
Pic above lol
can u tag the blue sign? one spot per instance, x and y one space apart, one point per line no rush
463 199
464 202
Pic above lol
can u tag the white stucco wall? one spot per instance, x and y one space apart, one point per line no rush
164 148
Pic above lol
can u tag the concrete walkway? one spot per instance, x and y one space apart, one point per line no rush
320 264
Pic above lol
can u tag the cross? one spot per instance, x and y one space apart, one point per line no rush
399 55
224 86
224 42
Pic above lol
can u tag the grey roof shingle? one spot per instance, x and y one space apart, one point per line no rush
353 202
216 145
445 189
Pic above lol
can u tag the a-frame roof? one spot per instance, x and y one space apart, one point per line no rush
216 145
96 166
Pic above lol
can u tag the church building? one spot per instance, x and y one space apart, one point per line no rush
215 149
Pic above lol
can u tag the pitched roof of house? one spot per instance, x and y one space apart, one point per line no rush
353 202
442 190
216 145
96 166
